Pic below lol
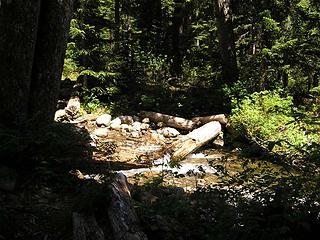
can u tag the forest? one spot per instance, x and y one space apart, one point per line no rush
159 119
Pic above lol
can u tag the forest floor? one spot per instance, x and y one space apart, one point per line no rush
44 196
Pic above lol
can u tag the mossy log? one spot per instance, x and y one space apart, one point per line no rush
194 140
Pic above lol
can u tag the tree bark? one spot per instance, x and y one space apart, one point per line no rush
50 50
18 28
31 53
226 41
177 31
194 140
170 121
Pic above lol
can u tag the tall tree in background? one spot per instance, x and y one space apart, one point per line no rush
32 47
226 41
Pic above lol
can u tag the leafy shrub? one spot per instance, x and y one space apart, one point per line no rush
268 119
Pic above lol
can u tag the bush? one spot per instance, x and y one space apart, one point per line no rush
269 119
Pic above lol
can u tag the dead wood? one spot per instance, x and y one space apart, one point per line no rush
122 215
194 140
170 121
203 120
85 227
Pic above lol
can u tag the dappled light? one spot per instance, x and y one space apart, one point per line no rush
159 120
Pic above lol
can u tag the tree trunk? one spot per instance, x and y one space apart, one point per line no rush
194 140
50 50
170 121
116 23
177 31
226 41
31 51
18 28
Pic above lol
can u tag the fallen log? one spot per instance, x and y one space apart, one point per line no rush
170 121
85 227
194 140
122 215
203 120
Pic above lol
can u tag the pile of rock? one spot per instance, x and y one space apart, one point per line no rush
133 126
70 112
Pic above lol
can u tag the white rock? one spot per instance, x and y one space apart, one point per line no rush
60 115
126 119
101 132
103 120
168 132
160 124
136 126
73 106
144 126
135 134
146 120
116 124
125 127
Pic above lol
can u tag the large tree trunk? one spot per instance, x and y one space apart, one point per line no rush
18 32
226 41
32 47
177 31
51 45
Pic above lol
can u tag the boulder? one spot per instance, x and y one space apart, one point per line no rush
146 120
144 126
168 132
126 120
60 115
73 106
135 134
125 127
115 124
103 120
136 126
101 132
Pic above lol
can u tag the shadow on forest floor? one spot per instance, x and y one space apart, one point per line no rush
41 188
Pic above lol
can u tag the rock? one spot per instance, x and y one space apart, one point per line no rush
125 128
136 118
73 106
136 126
160 124
8 179
144 126
101 132
219 141
126 119
103 120
145 120
60 115
168 132
135 134
115 124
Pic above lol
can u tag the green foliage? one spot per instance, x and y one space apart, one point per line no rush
268 119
